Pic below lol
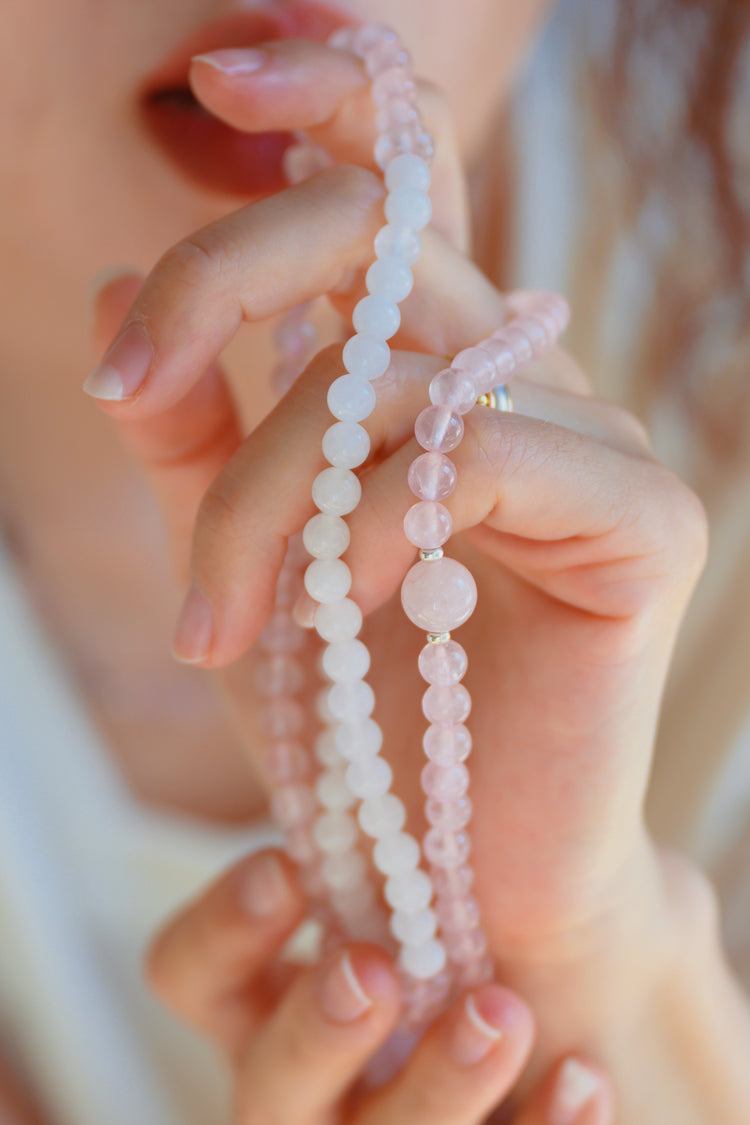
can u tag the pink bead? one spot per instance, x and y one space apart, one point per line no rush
460 913
504 361
443 664
467 945
432 476
454 389
470 974
447 705
453 882
385 55
279 674
365 38
518 342
446 849
299 843
281 634
537 335
292 805
396 111
428 525
439 595
396 82
447 745
282 717
286 761
448 816
445 783
294 337
438 429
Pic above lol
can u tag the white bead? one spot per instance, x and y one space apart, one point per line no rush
398 242
409 892
335 831
338 621
328 580
325 537
423 961
413 929
351 398
346 444
408 208
366 357
336 491
397 853
349 703
382 816
344 871
332 790
325 747
370 778
346 661
408 170
359 740
377 316
391 278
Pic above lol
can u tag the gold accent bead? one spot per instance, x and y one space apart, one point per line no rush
438 638
489 398
428 556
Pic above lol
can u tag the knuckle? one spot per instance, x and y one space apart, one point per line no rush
349 182
222 514
203 256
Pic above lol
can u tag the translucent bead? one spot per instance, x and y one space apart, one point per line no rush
447 745
299 843
391 278
346 661
477 365
351 398
366 357
326 536
423 961
438 429
300 162
358 741
281 634
394 854
443 664
447 705
439 595
407 207
279 674
332 790
449 816
458 913
384 55
369 35
517 340
453 389
335 831
349 703
294 335
370 778
282 717
396 111
343 38
325 748
377 316
471 973
414 928
285 761
409 892
338 621
345 870
346 445
445 783
537 335
396 82
408 171
432 476
454 881
447 849
336 491
382 816
424 999
398 242
292 805
328 580
466 945
502 357
428 524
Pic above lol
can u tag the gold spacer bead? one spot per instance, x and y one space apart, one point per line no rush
428 556
438 638
489 398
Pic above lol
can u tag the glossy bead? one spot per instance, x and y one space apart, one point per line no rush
396 82
447 745
447 705
332 790
346 661
518 342
396 111
409 208
398 242
460 913
292 805
369 778
338 621
281 634
536 334
282 717
285 761
428 524
471 973
414 928
448 816
294 335
358 741
443 664
368 36
465 945
423 961
335 831
439 595
432 476
351 398
328 580
502 357
348 703
476 364
382 816
346 445
344 870
454 389
395 854
408 171
336 491
366 357
391 278
452 882
445 783
438 429
377 316
385 55
446 849
279 674
409 892
326 536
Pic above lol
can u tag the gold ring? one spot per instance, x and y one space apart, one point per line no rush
497 399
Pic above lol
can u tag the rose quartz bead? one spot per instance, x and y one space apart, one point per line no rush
439 595
466 945
447 745
504 362
438 429
448 816
476 364
443 664
445 783
452 882
470 974
285 761
292 805
396 111
279 674
281 634
395 82
432 476
428 524
368 36
299 843
537 335
282 717
458 913
454 389
518 342
447 705
384 55
293 335
446 849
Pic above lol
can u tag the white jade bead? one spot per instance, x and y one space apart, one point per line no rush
351 398
396 854
409 892
335 831
332 790
377 316
328 580
413 929
382 816
398 241
346 444
370 778
390 277
336 492
338 621
366 357
349 703
357 741
423 961
344 871
408 208
346 661
408 170
325 536
325 749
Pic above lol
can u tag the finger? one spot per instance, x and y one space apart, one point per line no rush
464 1066
204 959
310 1051
575 1092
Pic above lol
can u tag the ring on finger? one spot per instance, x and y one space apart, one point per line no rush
499 398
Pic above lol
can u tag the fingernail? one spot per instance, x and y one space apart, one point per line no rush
265 889
104 277
194 632
478 1029
234 61
124 367
342 997
303 611
575 1086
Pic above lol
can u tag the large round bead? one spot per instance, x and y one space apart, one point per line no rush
439 594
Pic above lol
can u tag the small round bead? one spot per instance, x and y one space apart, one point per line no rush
281 634
428 525
366 357
279 674
536 333
370 778
384 55
285 761
292 805
477 365
325 536
336 491
332 790
335 831
452 882
518 342
447 705
395 82
326 752
443 664
432 476
328 580
502 357
346 445
423 961
293 335
438 429
408 171
282 717
454 389
448 816
471 973
346 661
366 37
382 816
358 741
398 242
439 595
343 871
396 111
338 621
351 398
377 316
407 207
415 928
447 745
445 783
343 38
394 854
447 849
461 913
466 945
409 892
391 278
349 703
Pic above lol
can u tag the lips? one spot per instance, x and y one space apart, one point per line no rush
203 149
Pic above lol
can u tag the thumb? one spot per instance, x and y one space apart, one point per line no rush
575 1091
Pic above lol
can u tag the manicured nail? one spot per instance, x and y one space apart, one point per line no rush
104 277
479 1027
303 610
124 367
234 61
194 632
575 1086
342 997
265 889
